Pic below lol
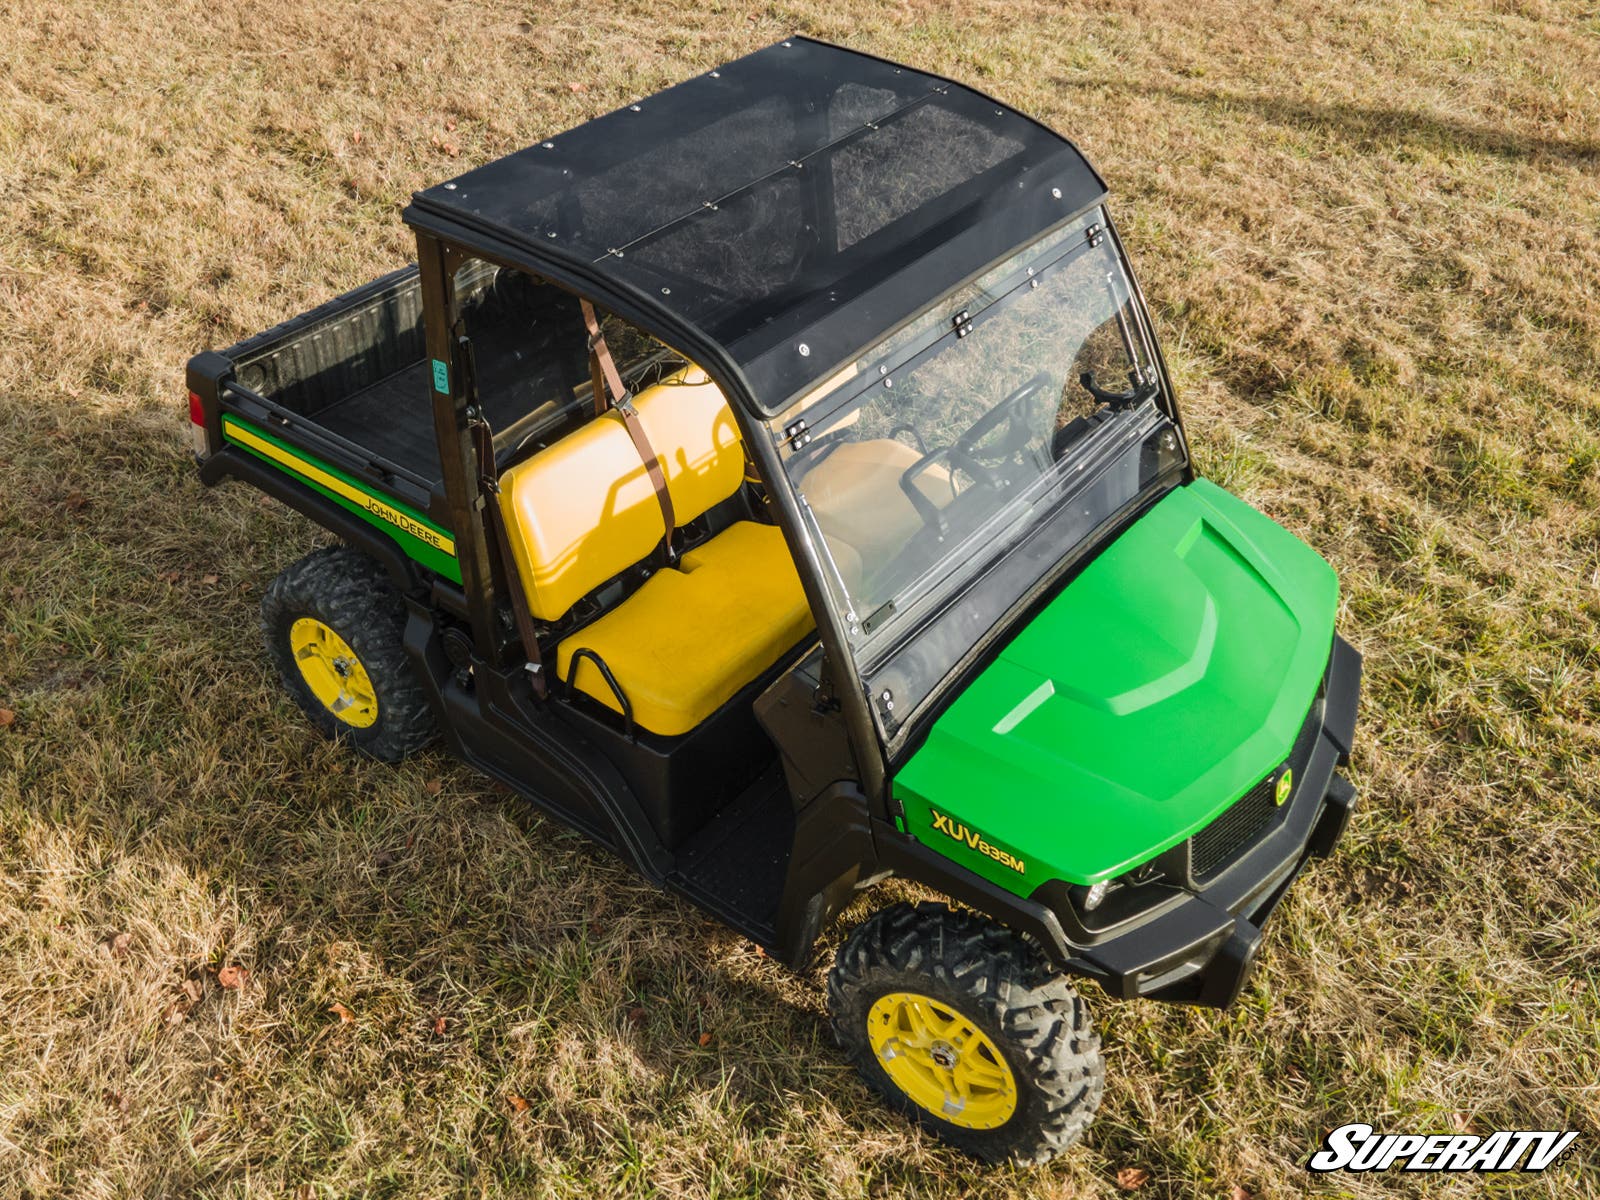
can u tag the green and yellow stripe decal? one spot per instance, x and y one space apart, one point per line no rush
421 539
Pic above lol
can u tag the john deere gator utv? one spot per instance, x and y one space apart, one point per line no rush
779 481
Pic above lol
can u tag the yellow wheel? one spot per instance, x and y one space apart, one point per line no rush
969 1030
335 628
941 1060
333 673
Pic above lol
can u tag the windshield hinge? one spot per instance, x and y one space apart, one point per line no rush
962 322
1095 234
798 434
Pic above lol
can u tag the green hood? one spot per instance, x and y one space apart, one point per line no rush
1167 679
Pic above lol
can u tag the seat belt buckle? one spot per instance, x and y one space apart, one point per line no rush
624 405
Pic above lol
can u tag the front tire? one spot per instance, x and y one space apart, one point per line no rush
968 1030
334 627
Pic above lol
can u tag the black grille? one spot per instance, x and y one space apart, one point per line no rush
1222 841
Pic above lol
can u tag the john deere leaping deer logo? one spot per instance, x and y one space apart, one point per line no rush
973 840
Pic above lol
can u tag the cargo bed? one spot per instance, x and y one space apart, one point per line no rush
350 379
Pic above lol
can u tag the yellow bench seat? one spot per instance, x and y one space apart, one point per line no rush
691 637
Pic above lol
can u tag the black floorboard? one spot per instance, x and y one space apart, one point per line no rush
740 858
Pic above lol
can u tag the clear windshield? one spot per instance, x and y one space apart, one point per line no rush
945 444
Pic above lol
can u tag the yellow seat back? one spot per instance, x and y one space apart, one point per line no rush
582 510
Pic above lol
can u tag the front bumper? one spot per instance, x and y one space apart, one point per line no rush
1200 948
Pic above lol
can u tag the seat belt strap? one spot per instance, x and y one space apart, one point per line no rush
489 490
608 389
602 367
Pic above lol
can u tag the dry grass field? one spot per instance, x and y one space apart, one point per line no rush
1371 236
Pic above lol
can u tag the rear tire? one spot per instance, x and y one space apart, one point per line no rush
334 627
944 1010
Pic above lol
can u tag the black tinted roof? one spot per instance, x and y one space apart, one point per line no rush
790 207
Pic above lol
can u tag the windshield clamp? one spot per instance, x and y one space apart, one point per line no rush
799 433
963 323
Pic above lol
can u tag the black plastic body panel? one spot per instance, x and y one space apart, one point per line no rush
680 782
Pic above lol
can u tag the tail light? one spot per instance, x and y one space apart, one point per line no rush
199 439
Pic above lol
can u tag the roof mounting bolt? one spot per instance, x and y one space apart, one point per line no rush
1055 193
1033 283
666 291
887 382
449 187
999 112
1030 272
549 145
786 45
551 234
805 350
883 369
633 108
716 74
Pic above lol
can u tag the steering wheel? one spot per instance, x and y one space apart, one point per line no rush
1013 413
963 452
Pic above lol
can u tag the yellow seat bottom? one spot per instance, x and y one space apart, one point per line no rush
685 642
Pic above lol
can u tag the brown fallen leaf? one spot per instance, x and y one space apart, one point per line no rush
1129 1178
439 1025
518 1104
356 137
176 1012
636 1015
170 576
450 126
305 1192
7 718
119 944
192 989
1239 1192
233 977
114 1099
705 1039
346 1017
575 86
76 501
209 580
434 786
450 148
